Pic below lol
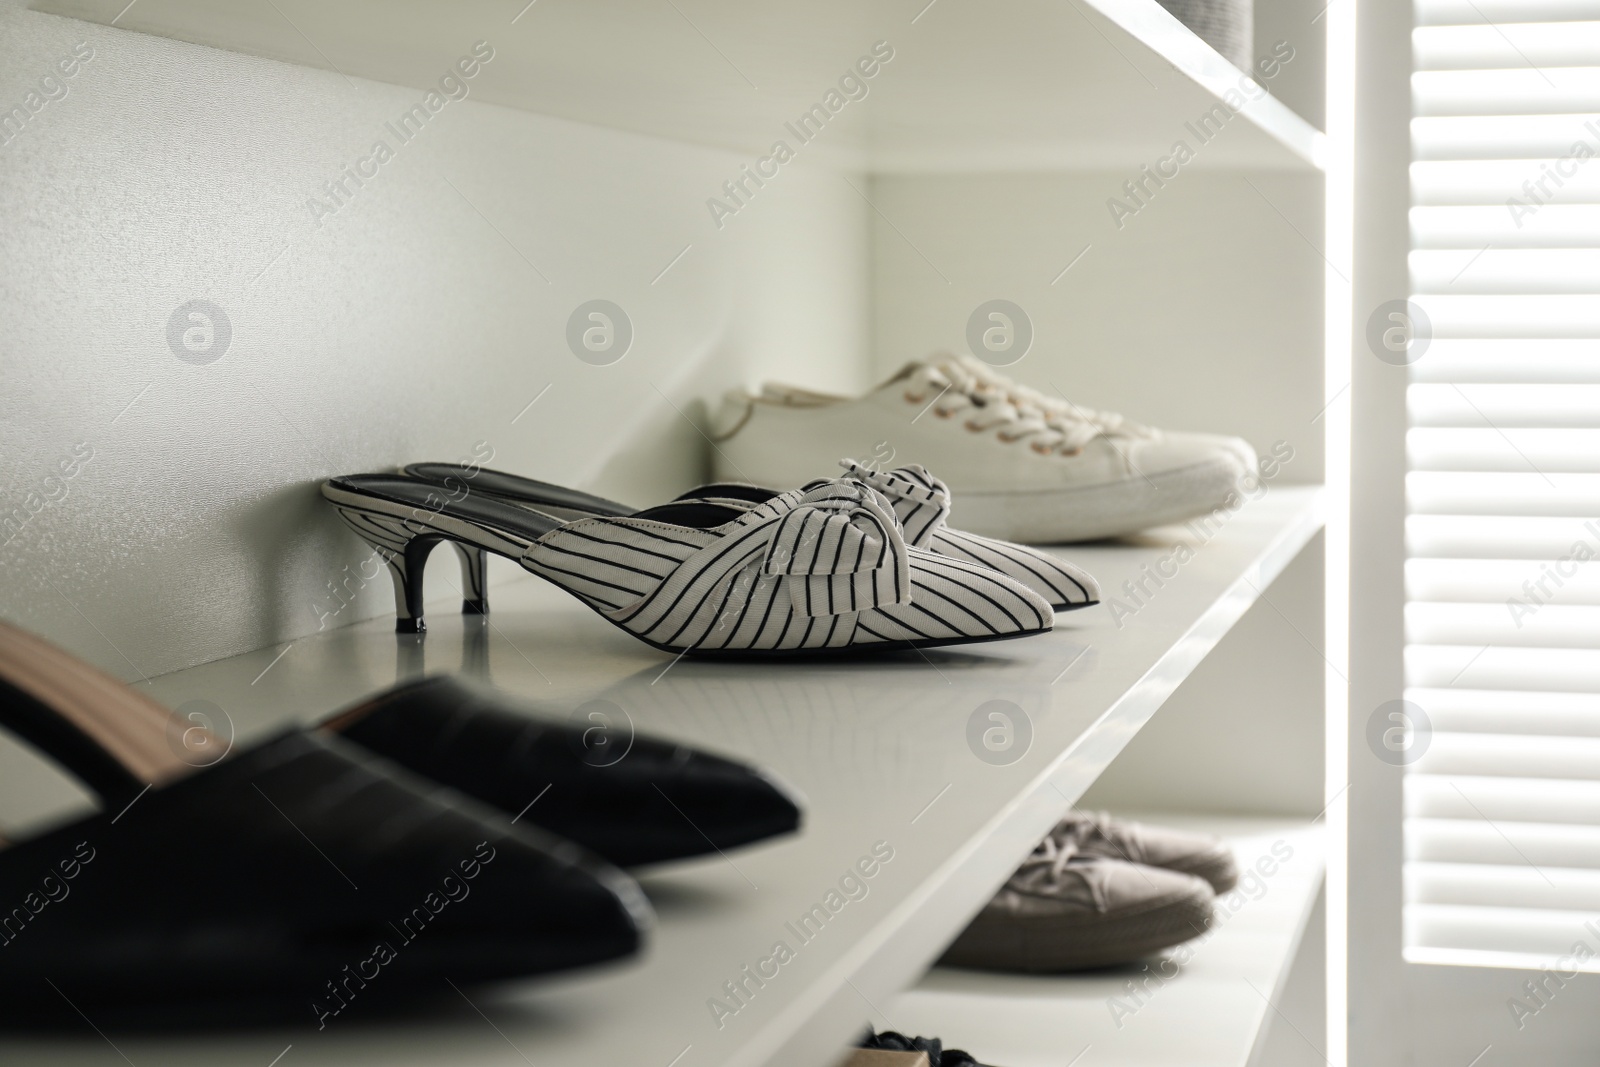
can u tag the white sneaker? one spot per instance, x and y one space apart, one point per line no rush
1022 466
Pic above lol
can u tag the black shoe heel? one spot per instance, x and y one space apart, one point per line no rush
406 553
474 578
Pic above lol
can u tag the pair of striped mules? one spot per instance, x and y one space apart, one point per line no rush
862 562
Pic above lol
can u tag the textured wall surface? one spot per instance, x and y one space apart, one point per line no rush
1201 311
159 480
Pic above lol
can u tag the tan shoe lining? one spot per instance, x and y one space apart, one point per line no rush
129 726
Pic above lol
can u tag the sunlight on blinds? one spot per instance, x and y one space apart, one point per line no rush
1502 820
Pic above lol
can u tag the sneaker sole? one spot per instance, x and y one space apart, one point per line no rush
1048 946
1097 511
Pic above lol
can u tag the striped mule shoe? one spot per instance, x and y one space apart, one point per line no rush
820 569
920 501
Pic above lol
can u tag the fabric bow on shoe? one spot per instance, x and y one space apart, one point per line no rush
920 501
841 548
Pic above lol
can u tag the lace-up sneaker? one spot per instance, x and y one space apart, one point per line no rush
1099 834
1022 465
1065 911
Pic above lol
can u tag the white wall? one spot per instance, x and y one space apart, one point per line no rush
408 324
1202 311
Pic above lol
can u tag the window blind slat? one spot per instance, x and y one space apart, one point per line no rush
1562 90
1491 182
1504 843
1509 45
1575 315
1503 798
1477 227
1475 12
1435 492
1541 451
1505 271
1495 537
1503 886
1521 625
1509 361
1517 136
1503 937
1557 670
1495 581
1521 404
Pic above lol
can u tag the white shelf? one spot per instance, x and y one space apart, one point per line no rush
879 747
1204 1005
1006 85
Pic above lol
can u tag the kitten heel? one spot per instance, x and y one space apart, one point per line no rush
406 553
474 578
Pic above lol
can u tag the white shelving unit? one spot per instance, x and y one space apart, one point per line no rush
980 163
880 750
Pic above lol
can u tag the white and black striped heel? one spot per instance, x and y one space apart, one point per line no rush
404 522
405 553
404 545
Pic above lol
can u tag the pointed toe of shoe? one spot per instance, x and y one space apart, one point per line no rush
1063 585
631 799
536 904
954 602
1086 582
731 803
692 803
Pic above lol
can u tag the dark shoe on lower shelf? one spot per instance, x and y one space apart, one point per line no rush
1064 912
631 799
302 871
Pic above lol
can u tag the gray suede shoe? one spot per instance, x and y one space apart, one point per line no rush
1063 911
1099 834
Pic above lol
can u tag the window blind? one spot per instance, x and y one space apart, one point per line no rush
1502 798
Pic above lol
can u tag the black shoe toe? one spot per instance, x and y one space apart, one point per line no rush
630 799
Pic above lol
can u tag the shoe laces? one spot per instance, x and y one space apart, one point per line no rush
1049 862
1081 827
1019 413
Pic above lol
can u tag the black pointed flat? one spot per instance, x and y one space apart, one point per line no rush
301 871
630 799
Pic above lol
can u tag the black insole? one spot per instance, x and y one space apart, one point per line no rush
428 499
500 482
514 519
546 494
